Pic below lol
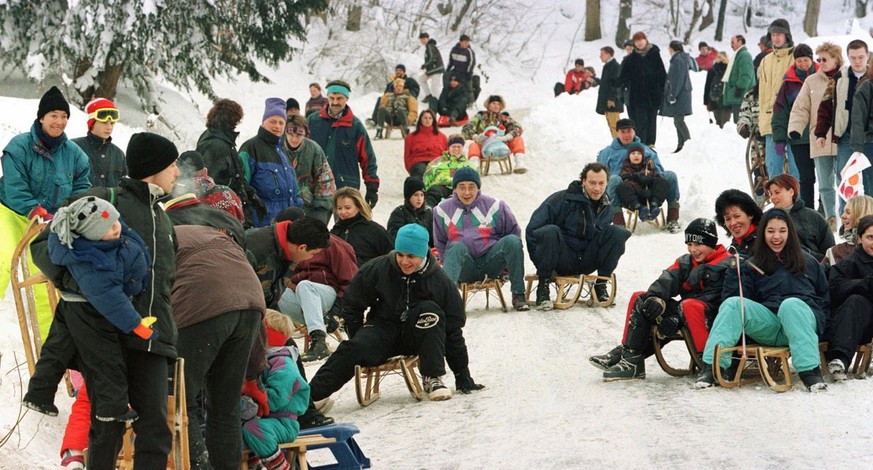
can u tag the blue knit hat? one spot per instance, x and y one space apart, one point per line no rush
274 107
412 239
466 173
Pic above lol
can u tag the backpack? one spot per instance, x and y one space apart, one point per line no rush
716 90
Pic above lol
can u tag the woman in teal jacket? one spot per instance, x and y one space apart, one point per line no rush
41 169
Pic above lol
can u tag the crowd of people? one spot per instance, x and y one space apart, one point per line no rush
133 238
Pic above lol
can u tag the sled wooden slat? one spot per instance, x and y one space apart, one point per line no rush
295 451
487 285
573 289
684 336
368 379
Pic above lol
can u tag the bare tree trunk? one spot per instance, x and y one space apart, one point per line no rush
353 22
461 15
860 8
107 82
810 20
708 18
592 20
719 27
622 32
695 16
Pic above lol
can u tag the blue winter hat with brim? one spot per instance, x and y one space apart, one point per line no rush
274 107
412 239
466 173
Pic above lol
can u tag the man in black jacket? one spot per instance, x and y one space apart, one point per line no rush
609 93
151 162
414 309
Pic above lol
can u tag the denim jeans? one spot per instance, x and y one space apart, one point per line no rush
825 174
775 163
506 253
308 303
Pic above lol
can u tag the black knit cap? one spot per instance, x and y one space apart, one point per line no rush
625 123
52 100
802 50
410 186
701 231
148 154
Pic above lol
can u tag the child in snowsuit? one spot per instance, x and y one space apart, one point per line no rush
642 188
287 397
109 263
697 278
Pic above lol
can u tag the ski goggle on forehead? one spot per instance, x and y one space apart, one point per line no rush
105 114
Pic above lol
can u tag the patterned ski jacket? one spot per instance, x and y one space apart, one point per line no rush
314 177
478 226
441 171
483 119
272 175
346 145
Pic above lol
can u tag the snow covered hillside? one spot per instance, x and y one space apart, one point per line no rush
544 405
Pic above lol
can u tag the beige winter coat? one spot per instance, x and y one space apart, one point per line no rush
805 110
771 74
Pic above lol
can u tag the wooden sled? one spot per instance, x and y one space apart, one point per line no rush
403 365
861 363
389 128
573 289
295 451
756 168
694 364
177 420
634 216
505 164
487 285
770 361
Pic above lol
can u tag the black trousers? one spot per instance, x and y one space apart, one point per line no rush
553 256
375 342
851 325
216 352
806 169
58 354
435 194
631 195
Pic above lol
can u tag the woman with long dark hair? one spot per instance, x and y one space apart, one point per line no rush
785 303
423 145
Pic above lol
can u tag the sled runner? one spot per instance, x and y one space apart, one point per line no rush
682 335
633 216
756 167
504 163
487 284
572 289
295 451
404 365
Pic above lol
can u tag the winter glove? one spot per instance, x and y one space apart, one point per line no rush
248 409
144 329
507 138
744 131
652 308
255 389
645 180
780 149
794 135
668 327
738 93
372 196
40 211
465 384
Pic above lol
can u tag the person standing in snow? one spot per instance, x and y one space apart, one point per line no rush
571 233
475 130
644 75
345 142
707 56
431 71
106 159
414 308
272 175
739 76
771 75
697 279
217 145
314 177
677 92
462 61
609 95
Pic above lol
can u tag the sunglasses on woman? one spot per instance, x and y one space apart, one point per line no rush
104 115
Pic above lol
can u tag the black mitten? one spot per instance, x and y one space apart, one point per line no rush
652 309
372 196
465 384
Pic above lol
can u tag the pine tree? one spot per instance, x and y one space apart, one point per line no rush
95 43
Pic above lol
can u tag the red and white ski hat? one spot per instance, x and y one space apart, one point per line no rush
94 105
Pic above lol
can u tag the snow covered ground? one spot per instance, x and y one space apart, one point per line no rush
544 405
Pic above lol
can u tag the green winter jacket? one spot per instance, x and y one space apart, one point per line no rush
742 78
440 171
314 177
108 165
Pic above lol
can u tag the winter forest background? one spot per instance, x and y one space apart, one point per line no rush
164 61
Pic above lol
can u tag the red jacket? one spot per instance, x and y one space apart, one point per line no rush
575 81
423 146
704 62
334 266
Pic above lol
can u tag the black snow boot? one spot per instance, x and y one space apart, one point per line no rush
632 365
317 347
813 380
605 361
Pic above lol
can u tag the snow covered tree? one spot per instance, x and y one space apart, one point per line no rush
93 44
